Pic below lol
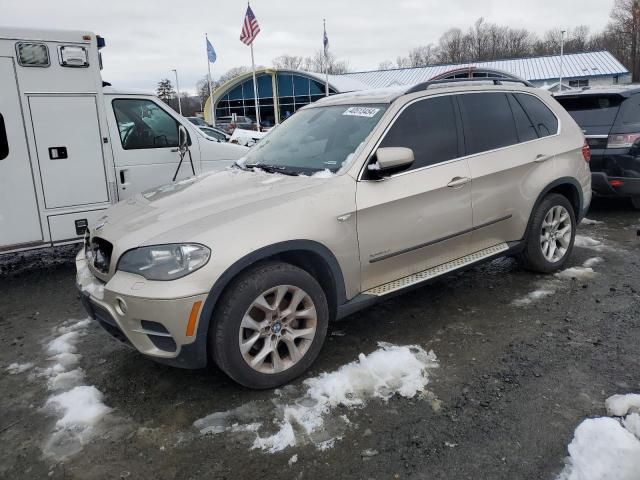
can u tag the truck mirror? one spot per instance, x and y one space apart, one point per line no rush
183 138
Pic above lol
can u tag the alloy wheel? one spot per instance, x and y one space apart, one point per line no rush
555 234
278 329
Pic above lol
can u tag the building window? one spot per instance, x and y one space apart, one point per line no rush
583 82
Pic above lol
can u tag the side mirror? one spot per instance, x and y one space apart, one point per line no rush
392 157
183 138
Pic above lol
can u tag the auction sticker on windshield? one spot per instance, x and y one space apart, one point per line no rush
361 112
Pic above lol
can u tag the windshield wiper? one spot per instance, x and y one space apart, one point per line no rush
272 168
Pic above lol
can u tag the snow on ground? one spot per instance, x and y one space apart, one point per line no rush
607 448
16 368
303 418
78 406
591 262
578 273
587 221
533 296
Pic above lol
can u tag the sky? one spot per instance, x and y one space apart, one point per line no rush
146 39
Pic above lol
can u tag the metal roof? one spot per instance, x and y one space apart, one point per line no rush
575 65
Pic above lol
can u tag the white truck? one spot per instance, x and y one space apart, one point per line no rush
70 146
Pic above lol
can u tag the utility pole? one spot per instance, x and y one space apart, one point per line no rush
561 55
178 90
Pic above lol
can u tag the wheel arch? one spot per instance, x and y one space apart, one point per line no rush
566 186
308 255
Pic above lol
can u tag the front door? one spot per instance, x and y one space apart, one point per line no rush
145 148
19 219
420 217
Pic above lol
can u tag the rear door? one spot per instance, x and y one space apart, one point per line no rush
19 219
69 149
145 148
509 140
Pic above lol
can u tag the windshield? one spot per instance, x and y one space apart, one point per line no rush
592 110
316 139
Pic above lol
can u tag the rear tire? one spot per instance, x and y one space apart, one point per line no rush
551 234
635 201
269 325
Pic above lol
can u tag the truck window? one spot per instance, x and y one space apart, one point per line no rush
4 143
143 124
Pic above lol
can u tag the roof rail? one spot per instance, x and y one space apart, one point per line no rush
496 81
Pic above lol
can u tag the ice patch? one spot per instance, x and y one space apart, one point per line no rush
303 418
16 368
532 296
79 407
591 243
591 262
579 273
620 405
293 460
587 221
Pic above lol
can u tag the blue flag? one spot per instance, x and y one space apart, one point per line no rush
211 53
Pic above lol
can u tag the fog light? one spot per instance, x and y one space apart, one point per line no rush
121 307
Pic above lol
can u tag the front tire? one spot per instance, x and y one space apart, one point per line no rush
269 325
551 235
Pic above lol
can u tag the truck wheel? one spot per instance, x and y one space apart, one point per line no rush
269 326
635 201
551 235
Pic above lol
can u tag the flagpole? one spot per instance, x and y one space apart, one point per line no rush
255 89
212 112
326 60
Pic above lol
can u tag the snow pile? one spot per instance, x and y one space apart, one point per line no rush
307 418
326 173
532 296
16 368
607 448
78 406
85 279
578 273
591 262
587 221
591 243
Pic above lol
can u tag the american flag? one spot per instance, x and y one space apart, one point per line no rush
250 27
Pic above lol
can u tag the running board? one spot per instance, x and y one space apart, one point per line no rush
437 271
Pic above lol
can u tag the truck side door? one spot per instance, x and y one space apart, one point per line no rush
145 145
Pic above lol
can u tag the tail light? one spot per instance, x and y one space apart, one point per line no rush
586 152
622 140
616 183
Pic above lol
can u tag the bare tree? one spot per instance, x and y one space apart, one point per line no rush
165 91
625 25
451 46
316 63
288 62
385 65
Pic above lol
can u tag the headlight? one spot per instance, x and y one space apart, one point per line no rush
165 262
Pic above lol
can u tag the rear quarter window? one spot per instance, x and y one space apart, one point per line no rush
631 110
544 121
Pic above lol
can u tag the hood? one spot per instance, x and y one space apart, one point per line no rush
180 211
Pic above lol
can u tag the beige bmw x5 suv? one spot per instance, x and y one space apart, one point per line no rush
354 198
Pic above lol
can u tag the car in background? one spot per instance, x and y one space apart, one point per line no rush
228 125
215 134
197 121
610 119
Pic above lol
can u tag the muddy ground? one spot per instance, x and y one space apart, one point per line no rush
513 381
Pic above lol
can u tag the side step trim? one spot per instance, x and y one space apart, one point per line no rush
437 270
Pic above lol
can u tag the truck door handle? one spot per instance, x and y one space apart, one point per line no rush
123 180
458 182
542 158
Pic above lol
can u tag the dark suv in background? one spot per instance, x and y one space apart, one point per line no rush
610 119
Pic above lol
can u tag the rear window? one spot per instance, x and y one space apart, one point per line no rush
592 110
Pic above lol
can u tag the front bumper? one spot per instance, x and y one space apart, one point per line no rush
156 328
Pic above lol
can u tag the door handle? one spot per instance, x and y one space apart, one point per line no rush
542 158
458 182
175 150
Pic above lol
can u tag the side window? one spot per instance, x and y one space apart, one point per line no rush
488 121
143 124
543 119
631 110
428 127
524 125
4 143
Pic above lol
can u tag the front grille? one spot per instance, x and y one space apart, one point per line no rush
100 256
597 143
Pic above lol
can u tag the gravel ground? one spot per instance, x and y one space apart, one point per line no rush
512 384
